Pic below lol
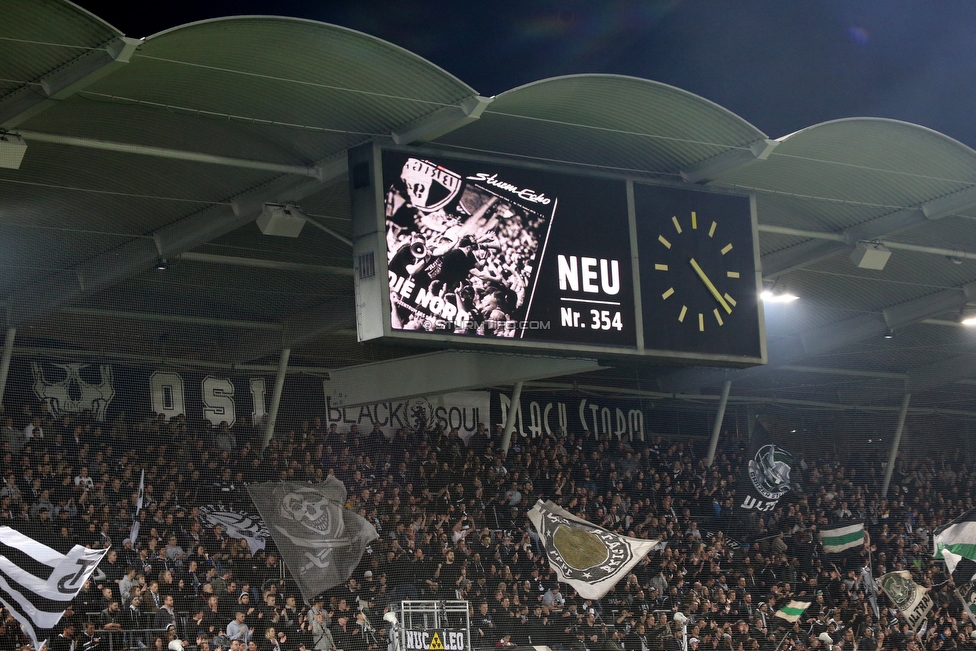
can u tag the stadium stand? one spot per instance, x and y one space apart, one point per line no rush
452 521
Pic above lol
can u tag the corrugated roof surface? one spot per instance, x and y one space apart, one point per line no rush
609 121
38 37
878 165
295 92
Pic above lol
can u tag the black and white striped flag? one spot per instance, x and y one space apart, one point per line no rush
37 582
134 530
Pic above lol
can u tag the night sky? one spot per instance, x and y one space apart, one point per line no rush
781 64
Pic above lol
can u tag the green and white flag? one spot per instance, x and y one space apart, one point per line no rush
910 598
955 543
793 610
837 539
585 556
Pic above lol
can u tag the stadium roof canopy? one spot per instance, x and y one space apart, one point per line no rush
168 147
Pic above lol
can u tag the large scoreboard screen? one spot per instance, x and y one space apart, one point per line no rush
487 253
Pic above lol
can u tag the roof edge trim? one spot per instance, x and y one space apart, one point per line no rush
318 23
82 10
912 125
629 78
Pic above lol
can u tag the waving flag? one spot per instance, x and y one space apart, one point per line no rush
955 543
910 598
320 540
585 556
763 481
134 530
792 611
37 582
840 538
237 523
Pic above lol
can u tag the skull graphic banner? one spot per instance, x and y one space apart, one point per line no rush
73 388
320 540
765 479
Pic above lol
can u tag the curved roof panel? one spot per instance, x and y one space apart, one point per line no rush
861 168
609 121
287 91
277 82
40 37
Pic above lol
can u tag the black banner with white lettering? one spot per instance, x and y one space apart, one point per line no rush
764 479
102 391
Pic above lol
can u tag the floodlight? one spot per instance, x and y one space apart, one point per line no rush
777 292
769 297
967 315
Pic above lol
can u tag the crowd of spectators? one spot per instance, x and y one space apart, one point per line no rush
451 518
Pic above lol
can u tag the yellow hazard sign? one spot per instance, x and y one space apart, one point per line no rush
435 643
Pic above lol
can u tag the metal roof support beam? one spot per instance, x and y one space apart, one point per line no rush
512 416
172 154
807 253
26 102
802 232
276 397
865 326
260 263
950 204
707 171
811 252
924 307
443 372
841 333
832 337
441 121
945 372
717 427
73 354
173 318
886 225
8 353
323 319
749 400
799 256
301 328
941 373
140 254
893 455
848 238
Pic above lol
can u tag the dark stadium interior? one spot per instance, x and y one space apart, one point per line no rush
133 266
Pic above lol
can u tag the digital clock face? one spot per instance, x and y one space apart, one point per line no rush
697 267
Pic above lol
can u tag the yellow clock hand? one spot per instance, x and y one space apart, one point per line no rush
710 286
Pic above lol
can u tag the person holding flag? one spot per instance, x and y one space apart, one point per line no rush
587 557
955 543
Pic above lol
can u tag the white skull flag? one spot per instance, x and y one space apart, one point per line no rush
320 540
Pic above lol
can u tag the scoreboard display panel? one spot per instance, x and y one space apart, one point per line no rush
486 253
